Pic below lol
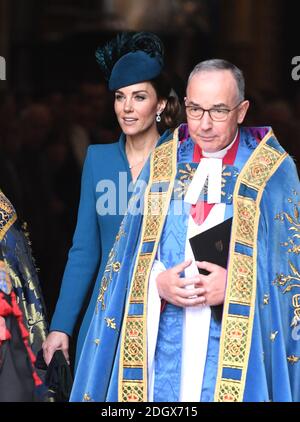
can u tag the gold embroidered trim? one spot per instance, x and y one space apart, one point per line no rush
134 332
138 285
263 159
111 266
132 391
106 279
236 330
245 223
7 215
133 347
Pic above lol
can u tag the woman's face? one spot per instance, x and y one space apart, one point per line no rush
136 107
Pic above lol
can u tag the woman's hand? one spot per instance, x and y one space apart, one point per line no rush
56 340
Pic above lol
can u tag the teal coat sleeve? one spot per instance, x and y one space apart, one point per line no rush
84 256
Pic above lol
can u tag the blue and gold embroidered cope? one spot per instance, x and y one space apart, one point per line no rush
262 294
133 362
241 289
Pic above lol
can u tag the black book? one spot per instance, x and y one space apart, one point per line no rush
213 246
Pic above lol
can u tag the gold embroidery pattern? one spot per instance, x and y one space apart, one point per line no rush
155 209
116 266
132 392
184 180
7 215
133 352
121 232
24 277
187 174
106 279
287 282
236 333
35 320
240 291
229 391
155 204
296 306
86 397
138 288
100 298
110 323
261 167
293 359
245 223
152 227
294 228
111 266
162 163
133 356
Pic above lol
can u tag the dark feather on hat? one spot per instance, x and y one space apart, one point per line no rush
124 43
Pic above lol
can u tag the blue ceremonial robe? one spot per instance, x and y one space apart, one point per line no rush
16 252
106 171
254 354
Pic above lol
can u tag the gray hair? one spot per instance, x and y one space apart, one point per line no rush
220 64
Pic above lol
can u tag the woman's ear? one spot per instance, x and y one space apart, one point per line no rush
161 106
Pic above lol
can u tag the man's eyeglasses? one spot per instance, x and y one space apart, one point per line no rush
217 114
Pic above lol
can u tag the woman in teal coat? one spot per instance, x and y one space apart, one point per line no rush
133 64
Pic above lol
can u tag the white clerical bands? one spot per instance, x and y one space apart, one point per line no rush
211 169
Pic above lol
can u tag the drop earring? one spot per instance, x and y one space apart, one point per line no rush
158 118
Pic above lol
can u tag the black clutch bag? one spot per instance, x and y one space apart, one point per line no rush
213 246
58 379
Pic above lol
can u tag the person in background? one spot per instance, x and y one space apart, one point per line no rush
133 65
156 334
23 325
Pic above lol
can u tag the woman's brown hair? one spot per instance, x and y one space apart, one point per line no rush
164 90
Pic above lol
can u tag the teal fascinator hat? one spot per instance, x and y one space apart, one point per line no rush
131 58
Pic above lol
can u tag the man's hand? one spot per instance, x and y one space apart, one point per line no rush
180 291
56 340
214 283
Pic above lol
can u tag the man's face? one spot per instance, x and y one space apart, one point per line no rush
215 89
